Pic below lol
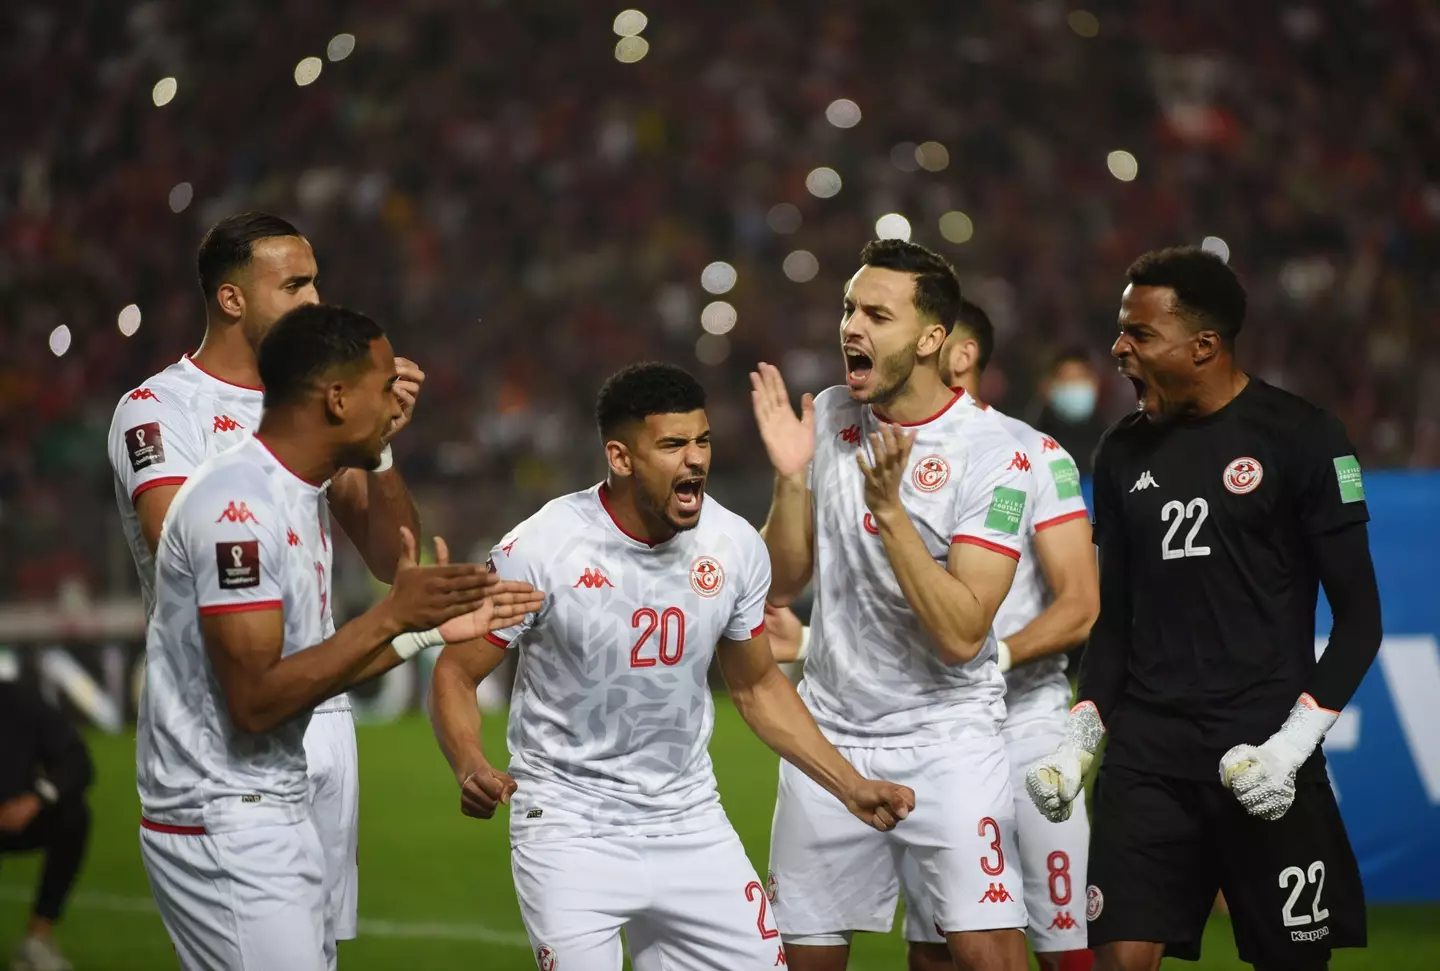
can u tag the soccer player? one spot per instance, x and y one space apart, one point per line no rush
253 268
1219 504
911 560
615 821
240 649
1049 610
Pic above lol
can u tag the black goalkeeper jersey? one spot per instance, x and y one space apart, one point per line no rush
1211 521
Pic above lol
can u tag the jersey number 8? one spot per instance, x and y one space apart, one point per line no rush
1181 512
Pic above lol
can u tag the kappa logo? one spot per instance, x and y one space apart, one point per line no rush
509 546
1243 475
1146 481
707 576
1021 461
291 537
545 958
850 435
931 473
1048 444
780 958
1094 902
1063 922
224 423
593 578
237 514
143 394
869 524
996 894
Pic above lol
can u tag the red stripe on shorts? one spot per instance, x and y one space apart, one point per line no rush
173 830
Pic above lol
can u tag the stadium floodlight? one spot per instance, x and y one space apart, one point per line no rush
164 92
128 320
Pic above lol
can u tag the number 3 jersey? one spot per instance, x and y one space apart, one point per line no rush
872 677
1212 520
244 533
611 717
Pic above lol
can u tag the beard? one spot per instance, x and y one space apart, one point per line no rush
894 370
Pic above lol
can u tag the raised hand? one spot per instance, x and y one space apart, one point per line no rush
891 450
789 438
423 597
506 604
483 789
880 804
407 389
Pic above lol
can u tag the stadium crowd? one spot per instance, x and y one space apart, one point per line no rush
525 213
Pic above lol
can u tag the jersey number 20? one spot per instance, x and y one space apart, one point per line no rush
1197 509
670 651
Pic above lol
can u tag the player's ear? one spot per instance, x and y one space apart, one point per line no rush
334 394
1207 346
618 457
932 339
231 300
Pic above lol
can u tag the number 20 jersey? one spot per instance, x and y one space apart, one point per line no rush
611 717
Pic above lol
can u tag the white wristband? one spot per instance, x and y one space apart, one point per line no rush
386 460
804 643
1002 656
410 643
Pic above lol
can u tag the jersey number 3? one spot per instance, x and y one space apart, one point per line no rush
1197 509
647 621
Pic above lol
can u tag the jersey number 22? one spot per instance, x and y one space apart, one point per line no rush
1181 512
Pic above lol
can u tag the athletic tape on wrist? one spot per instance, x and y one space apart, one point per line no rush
386 460
804 643
410 643
1002 656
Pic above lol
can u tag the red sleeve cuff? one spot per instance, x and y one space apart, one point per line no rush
497 641
242 607
1069 516
759 630
986 544
164 480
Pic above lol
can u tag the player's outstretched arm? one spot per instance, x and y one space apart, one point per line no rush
789 529
1067 559
455 717
372 506
767 701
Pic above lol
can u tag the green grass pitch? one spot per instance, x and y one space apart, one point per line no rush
435 888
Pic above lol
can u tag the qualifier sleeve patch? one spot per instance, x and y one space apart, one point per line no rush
1007 509
1347 473
144 445
1067 478
238 564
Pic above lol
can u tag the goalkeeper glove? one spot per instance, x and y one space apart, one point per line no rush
1055 781
1263 777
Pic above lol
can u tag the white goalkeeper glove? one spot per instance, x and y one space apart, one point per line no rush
1055 781
1263 777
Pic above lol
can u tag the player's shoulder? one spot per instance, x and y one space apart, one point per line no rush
1037 443
1126 430
1282 412
720 520
834 408
988 432
171 388
559 518
237 484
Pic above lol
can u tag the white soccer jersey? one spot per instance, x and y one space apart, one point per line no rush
160 434
244 533
872 677
611 718
1038 693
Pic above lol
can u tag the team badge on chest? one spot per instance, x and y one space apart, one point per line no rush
1243 475
931 473
707 576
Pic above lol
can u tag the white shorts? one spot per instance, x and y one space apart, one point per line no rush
832 873
334 770
1053 859
690 901
244 900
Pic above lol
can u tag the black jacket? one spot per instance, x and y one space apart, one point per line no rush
38 742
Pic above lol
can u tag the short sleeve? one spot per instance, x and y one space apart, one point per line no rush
1325 479
1106 517
748 618
153 441
1057 498
230 538
992 506
512 559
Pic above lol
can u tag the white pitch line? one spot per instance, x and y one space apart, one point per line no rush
369 927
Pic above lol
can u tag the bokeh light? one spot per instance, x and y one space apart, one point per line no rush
340 47
718 317
718 277
308 70
932 156
902 156
1216 245
1084 23
628 23
128 320
892 225
181 196
783 218
843 113
712 349
1122 165
823 182
628 50
60 340
956 227
801 266
164 92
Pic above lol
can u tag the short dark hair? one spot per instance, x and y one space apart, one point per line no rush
309 342
228 245
937 290
976 322
650 388
1207 291
1074 354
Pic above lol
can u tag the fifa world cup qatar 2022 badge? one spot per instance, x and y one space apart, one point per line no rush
145 445
238 564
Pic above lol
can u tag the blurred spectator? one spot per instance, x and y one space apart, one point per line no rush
44 772
1069 396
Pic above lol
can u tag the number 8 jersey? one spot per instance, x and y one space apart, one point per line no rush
612 714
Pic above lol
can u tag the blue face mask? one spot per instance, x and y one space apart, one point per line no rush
1073 400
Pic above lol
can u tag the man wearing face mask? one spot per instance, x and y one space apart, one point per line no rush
1069 416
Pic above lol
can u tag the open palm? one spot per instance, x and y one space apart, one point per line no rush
789 438
506 604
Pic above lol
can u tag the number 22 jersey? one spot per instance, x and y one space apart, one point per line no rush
612 714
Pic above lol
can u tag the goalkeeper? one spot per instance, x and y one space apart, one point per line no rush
1219 505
